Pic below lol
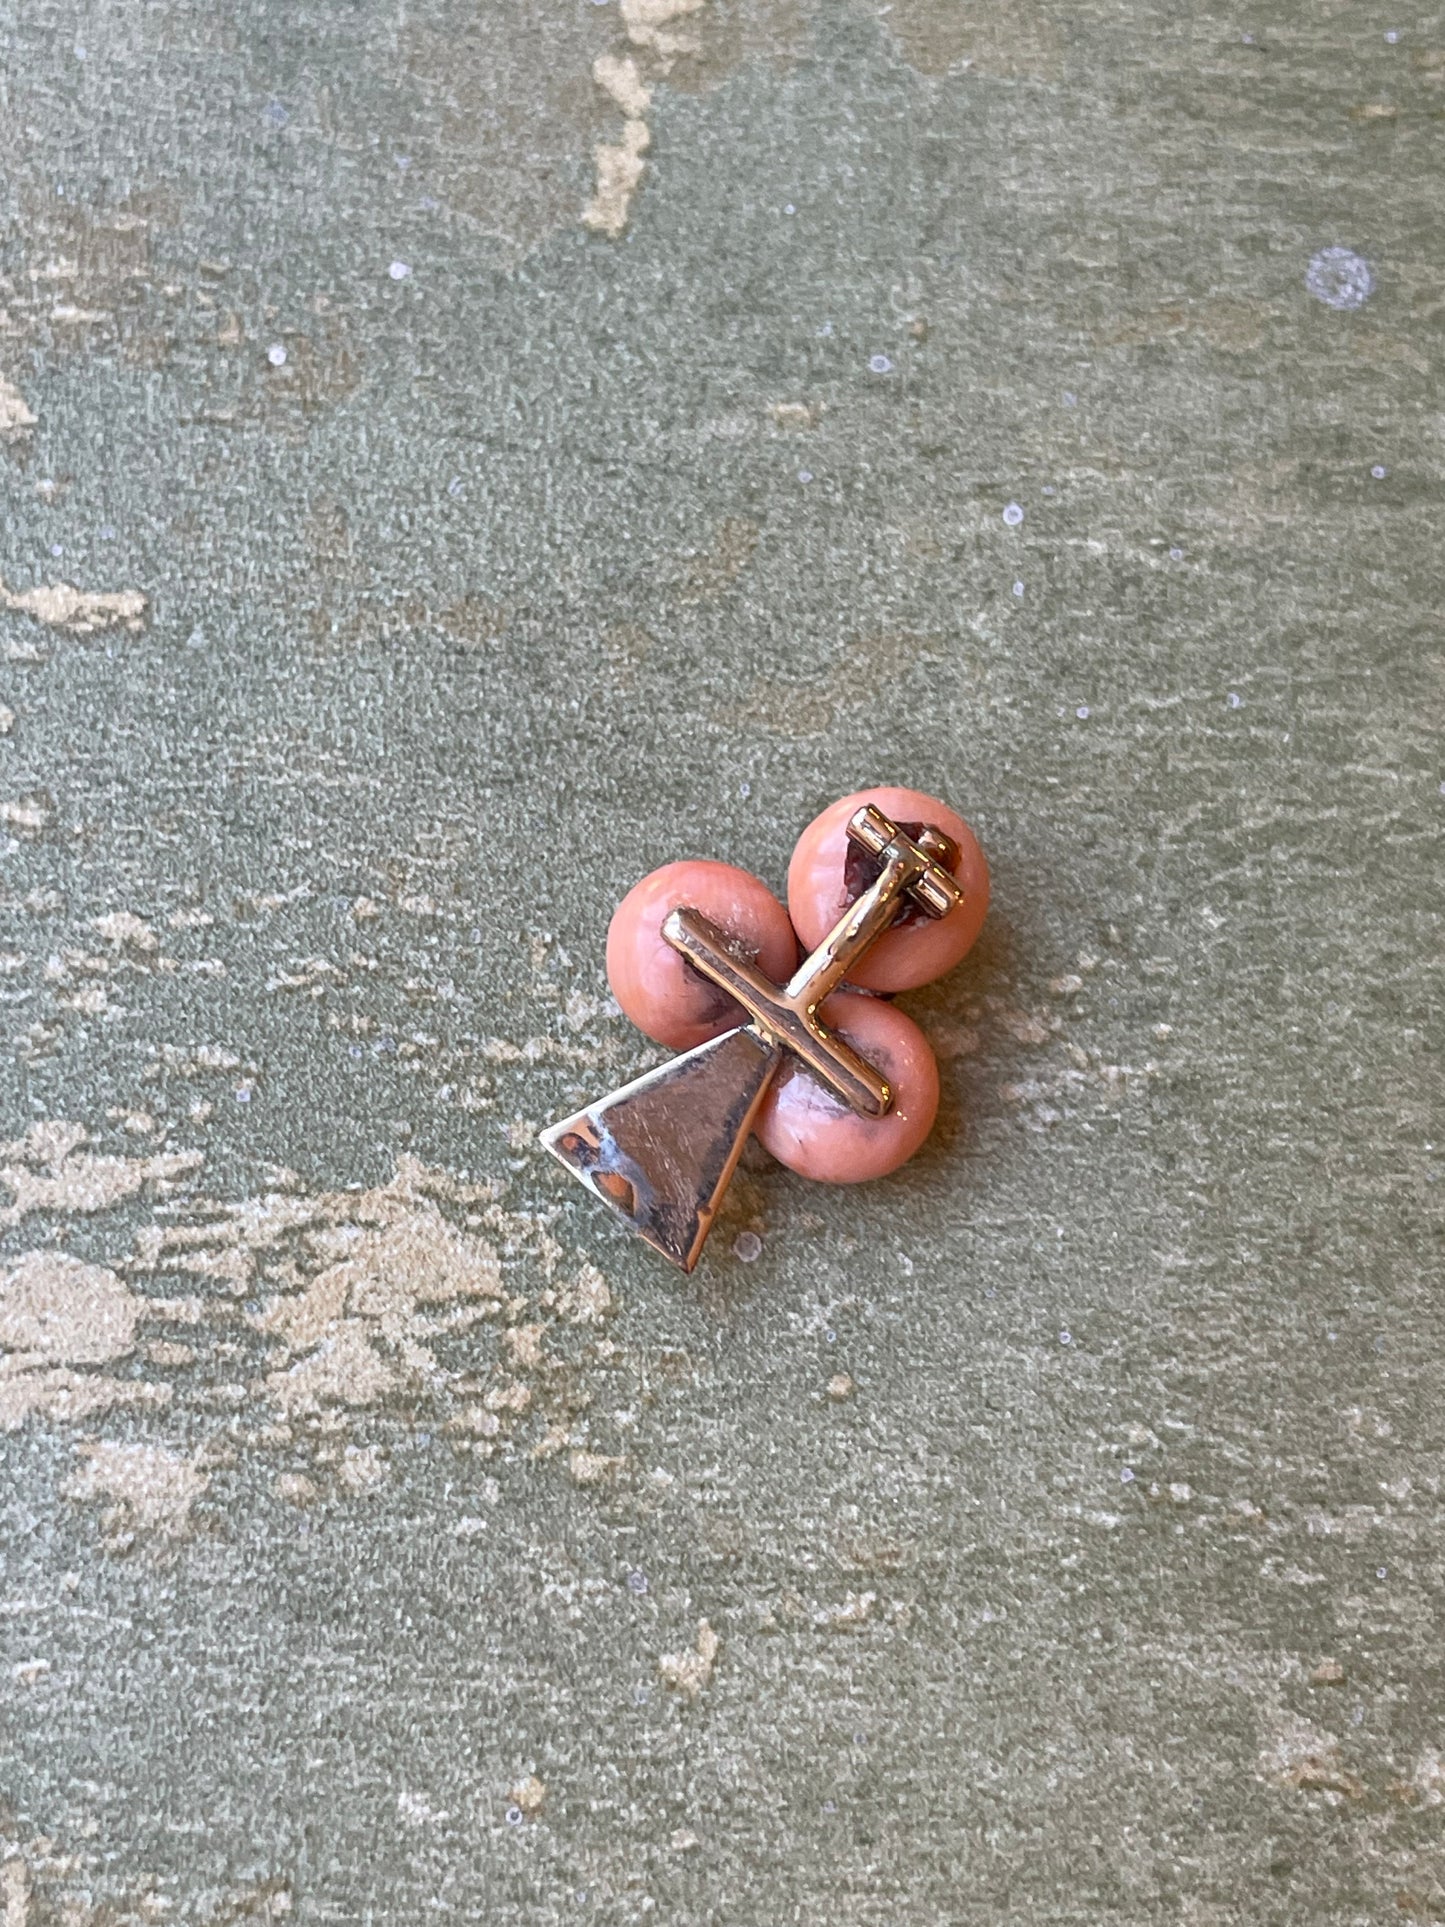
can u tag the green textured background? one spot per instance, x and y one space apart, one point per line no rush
1109 1587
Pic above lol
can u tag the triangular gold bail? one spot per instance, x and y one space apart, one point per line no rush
661 1150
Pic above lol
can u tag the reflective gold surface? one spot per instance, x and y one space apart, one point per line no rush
661 1150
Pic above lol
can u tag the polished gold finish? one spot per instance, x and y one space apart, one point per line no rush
661 1150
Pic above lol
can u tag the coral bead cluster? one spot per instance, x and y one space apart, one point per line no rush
803 1124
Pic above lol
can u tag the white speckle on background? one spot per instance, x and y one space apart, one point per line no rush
1176 555
1236 701
880 364
1379 471
276 355
1391 36
1013 515
1082 712
1340 278
399 270
1126 1477
1066 1338
1018 588
747 1246
805 475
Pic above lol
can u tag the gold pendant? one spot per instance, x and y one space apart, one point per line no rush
662 1150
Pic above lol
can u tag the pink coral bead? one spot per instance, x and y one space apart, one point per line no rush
823 881
815 1133
659 990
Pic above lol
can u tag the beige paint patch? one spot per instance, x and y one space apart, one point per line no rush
516 94
593 1468
58 1314
650 26
619 172
16 420
399 1274
90 268
47 1171
146 1488
370 1295
30 815
15 1892
797 416
362 1468
690 1673
56 1309
530 1795
344 1369
524 1348
619 78
352 1299
79 611
124 930
585 1299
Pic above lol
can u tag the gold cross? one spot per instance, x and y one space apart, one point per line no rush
662 1149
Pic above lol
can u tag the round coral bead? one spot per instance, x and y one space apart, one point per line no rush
828 873
813 1132
659 989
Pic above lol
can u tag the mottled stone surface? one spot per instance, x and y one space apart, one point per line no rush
459 457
